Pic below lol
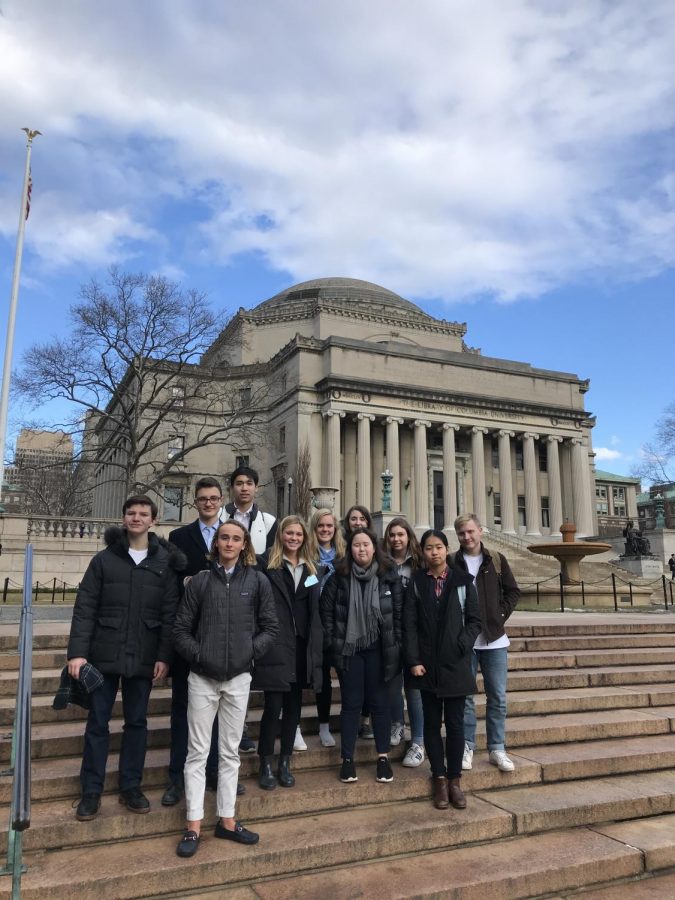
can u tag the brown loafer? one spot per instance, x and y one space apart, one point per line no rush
457 798
440 788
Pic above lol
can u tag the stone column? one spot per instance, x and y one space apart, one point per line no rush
349 465
377 464
554 483
332 453
581 490
394 461
421 478
478 472
531 492
363 459
506 482
449 476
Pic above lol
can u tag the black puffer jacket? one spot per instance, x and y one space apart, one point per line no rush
335 612
276 670
124 612
224 624
438 637
498 592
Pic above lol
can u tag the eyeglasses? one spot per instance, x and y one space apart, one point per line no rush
208 499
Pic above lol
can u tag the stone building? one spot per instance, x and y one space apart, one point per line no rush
40 479
369 381
615 501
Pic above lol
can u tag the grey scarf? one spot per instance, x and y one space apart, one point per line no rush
365 616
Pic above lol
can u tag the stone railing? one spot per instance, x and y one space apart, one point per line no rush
48 527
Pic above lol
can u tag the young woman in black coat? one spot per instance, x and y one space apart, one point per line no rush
295 661
440 625
361 612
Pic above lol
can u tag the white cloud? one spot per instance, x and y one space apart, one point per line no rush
441 149
603 454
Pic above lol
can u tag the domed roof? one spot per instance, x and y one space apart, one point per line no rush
340 289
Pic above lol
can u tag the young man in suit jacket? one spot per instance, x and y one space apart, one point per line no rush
195 541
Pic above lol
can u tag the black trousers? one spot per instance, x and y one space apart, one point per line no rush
135 696
325 695
179 726
288 705
436 709
364 680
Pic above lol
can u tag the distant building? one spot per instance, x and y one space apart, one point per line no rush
40 479
646 504
367 380
615 501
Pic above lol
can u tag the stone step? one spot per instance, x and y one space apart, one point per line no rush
649 887
42 659
562 659
597 642
508 869
288 845
602 676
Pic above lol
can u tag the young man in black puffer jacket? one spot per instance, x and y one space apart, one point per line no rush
122 624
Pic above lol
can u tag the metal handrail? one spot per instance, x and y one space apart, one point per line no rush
20 767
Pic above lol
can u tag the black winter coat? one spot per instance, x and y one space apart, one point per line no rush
276 670
124 612
435 636
335 612
222 624
498 593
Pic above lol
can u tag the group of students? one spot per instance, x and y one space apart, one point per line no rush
394 618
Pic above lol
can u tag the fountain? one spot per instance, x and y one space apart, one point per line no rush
569 553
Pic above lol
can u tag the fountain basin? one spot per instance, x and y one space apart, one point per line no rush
569 553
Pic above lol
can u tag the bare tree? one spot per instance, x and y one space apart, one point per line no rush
658 456
302 481
131 371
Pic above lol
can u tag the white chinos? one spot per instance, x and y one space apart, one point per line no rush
206 699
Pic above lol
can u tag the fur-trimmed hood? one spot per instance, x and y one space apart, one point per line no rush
116 539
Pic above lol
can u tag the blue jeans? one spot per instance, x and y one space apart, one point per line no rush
414 702
494 667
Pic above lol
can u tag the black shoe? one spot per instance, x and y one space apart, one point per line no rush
284 775
246 745
240 834
188 844
173 794
266 778
384 772
88 807
348 771
135 800
212 781
240 789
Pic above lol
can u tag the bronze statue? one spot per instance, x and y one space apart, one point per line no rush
636 543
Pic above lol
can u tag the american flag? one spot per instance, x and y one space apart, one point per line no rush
30 189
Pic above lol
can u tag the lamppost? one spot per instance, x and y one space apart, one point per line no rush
386 477
289 483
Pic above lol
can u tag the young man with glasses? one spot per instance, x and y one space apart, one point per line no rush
195 541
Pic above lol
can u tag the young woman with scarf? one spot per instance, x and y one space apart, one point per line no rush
361 612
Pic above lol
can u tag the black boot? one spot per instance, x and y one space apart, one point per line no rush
286 779
266 778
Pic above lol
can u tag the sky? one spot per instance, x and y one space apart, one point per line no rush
504 163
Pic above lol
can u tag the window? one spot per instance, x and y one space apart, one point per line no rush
173 503
601 507
241 461
176 444
521 510
618 493
543 456
178 395
244 396
519 456
283 383
619 510
545 513
495 454
497 511
282 437
281 492
601 491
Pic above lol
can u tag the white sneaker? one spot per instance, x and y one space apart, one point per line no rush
397 733
501 760
414 757
299 743
467 758
327 739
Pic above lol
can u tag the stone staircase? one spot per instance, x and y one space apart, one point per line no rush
589 809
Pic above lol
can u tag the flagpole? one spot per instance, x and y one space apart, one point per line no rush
9 345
